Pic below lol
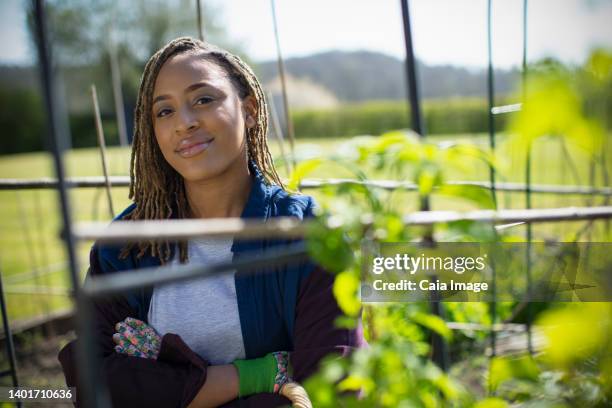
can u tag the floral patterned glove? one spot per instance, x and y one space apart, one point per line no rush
282 376
136 338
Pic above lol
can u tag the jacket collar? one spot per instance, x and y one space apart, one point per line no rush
256 207
258 203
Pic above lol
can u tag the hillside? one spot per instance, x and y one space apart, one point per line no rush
345 76
365 75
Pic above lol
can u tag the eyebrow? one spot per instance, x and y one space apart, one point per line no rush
190 88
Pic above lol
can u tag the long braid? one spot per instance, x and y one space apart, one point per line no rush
155 187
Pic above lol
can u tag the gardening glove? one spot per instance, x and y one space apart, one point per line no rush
270 374
136 338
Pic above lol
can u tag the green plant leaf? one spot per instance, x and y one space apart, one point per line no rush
491 403
346 287
479 195
505 368
301 171
434 323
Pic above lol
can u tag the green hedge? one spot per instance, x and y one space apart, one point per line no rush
24 126
83 130
374 118
23 121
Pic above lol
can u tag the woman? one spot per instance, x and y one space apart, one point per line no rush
200 151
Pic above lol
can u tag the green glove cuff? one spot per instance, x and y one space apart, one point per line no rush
256 375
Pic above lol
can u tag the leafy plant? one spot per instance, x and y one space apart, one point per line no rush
575 366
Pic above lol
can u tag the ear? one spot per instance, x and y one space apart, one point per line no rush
250 111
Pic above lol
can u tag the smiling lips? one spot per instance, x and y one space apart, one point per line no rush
190 149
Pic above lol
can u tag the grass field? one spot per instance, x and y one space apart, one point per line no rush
30 222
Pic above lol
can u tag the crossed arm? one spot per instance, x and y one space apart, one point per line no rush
220 387
137 339
181 377
224 383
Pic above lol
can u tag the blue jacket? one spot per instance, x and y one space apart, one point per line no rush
266 301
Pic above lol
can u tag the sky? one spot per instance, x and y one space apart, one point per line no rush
444 31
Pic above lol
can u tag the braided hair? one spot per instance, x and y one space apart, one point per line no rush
155 187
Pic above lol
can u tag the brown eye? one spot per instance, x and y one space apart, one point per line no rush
163 112
204 100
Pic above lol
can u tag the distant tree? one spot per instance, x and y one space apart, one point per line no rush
81 31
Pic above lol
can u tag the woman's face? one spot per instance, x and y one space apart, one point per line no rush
199 119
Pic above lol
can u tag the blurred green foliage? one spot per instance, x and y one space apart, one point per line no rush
573 365
467 115
21 120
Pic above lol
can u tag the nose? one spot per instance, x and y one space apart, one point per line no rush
186 121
